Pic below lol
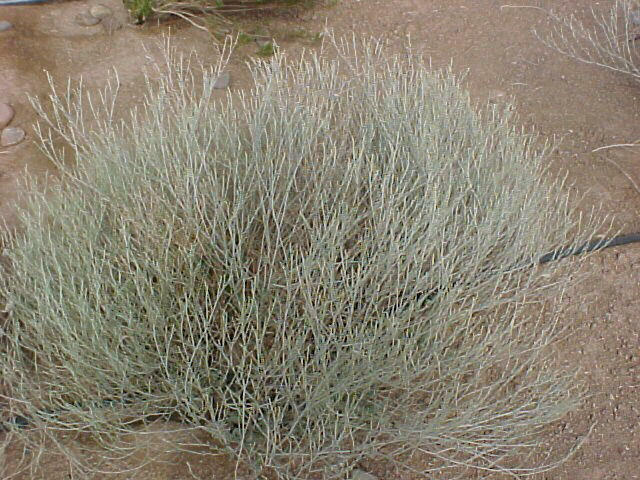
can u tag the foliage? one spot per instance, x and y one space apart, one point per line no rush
193 10
334 267
610 43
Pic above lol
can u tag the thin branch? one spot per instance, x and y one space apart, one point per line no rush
522 6
614 146
635 185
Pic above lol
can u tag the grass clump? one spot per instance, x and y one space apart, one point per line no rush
140 10
201 12
610 43
323 271
267 49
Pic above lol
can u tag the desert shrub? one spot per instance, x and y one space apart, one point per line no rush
611 42
331 268
194 10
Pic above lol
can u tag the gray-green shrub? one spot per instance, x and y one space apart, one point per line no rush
331 268
610 42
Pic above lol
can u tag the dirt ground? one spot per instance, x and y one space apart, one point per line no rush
586 106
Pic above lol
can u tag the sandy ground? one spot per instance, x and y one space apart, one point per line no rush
586 106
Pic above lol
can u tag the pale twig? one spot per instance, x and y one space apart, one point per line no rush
185 16
614 146
635 185
522 6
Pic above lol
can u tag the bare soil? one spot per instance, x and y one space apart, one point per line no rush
587 107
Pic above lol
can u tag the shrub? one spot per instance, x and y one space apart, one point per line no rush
610 44
193 10
331 268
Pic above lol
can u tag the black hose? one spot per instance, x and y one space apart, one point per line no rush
590 247
9 3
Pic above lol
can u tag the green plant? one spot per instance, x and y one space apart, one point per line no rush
244 39
207 14
267 49
140 10
611 43
332 268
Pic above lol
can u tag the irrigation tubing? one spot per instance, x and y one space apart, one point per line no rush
590 247
10 3
21 422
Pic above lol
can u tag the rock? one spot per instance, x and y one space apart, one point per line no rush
11 136
6 114
100 11
360 475
86 20
223 80
4 25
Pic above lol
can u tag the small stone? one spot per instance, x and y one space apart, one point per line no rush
86 20
4 25
360 475
100 11
223 80
6 114
11 136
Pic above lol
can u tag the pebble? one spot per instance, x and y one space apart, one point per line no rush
11 136
360 475
223 80
100 11
6 114
4 25
86 20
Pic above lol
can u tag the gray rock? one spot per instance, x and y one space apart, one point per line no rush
100 11
4 25
11 136
6 114
360 475
86 20
223 80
